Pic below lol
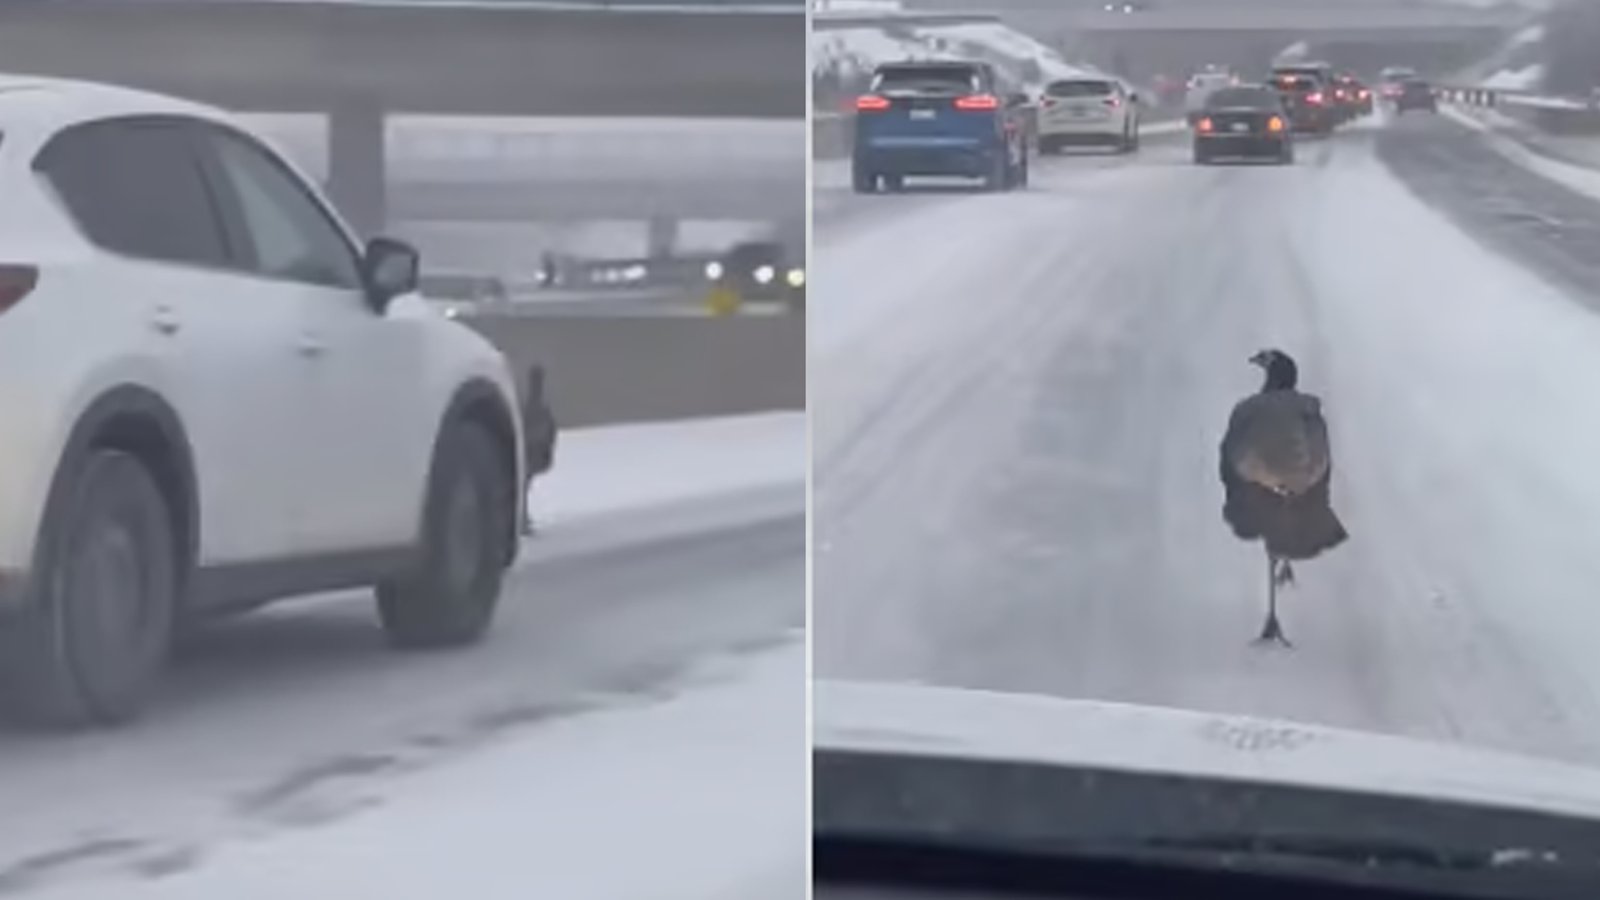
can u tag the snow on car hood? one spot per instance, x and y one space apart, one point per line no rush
948 722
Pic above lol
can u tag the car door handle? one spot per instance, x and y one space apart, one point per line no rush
165 320
310 345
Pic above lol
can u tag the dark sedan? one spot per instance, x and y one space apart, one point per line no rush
1244 123
1416 94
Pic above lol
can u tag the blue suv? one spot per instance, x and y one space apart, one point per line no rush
939 118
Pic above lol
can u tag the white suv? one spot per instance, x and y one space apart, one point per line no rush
1088 111
215 397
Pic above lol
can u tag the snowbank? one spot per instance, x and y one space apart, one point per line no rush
1527 78
603 470
853 51
699 797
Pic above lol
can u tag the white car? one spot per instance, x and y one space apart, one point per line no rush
216 397
1098 111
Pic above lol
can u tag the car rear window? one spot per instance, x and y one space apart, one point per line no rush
1252 98
1080 89
933 79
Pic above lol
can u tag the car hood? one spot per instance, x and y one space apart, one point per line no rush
968 724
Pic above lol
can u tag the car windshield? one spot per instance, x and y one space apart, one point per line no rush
1289 414
1239 98
926 79
1069 89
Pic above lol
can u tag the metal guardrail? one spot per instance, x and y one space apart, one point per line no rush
1554 115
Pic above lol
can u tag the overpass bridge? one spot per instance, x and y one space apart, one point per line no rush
1174 38
359 63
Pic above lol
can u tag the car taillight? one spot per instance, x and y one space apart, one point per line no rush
1204 125
16 282
1314 98
1274 124
1365 94
871 103
1112 102
1047 102
978 101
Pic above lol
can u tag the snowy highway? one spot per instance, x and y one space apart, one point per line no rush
649 643
1017 400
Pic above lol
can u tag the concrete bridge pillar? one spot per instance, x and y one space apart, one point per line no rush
663 236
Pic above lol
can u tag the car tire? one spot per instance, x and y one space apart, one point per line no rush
99 621
863 181
1020 181
1201 157
999 176
449 595
894 183
1134 146
1286 156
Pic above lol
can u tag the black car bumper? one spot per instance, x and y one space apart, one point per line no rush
968 162
1251 146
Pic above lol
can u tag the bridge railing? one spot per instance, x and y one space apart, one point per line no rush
1548 113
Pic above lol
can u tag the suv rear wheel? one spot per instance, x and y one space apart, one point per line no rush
99 622
449 596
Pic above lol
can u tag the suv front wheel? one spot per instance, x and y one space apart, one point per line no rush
449 596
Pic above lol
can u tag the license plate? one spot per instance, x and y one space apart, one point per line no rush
924 113
1241 126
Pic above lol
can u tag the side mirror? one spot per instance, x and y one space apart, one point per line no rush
1133 97
389 268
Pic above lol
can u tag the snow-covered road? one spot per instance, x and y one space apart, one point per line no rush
648 651
1016 406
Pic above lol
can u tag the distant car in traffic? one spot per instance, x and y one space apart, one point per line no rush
1247 122
1392 79
1098 111
1416 94
759 270
952 118
1351 96
1307 97
220 398
1201 86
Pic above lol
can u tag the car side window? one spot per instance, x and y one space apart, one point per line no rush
136 188
289 235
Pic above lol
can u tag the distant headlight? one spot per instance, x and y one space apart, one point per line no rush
796 278
765 274
714 270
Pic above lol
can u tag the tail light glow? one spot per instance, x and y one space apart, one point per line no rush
1366 94
1205 125
1112 102
1314 98
978 101
16 282
1275 124
871 103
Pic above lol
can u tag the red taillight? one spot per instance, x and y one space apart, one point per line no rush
1112 102
1047 102
1274 124
978 101
871 103
16 282
1314 98
1366 94
1338 95
1204 125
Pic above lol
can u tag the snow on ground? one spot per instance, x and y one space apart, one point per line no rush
614 468
701 796
1497 130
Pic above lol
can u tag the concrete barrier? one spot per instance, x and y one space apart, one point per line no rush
613 370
